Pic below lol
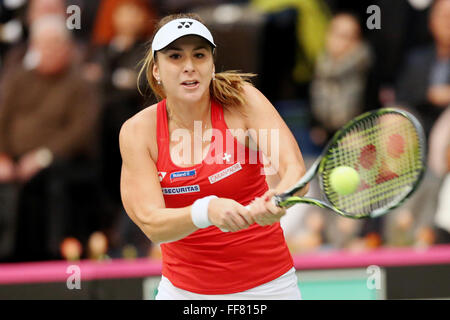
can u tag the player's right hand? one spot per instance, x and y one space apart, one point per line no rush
228 215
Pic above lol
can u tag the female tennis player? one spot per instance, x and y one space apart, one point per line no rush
189 190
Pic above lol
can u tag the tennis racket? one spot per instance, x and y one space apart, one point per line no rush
386 147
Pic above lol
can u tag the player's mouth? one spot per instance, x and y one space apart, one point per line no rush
190 84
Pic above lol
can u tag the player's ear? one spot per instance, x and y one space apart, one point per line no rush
155 72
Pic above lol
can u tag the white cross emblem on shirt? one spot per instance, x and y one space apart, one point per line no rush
226 157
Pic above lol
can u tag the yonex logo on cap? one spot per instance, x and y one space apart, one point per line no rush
186 24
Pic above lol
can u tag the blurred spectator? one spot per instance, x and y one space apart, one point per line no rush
439 162
424 83
337 95
438 143
48 120
88 9
403 26
279 44
343 233
88 13
39 8
425 217
176 6
11 25
401 228
424 86
106 26
31 11
338 87
312 21
310 237
442 218
121 31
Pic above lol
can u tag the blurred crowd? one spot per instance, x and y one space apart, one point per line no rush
65 92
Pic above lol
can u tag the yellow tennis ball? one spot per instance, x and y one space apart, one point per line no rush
344 180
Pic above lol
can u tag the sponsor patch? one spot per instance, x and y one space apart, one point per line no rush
161 175
183 175
181 190
224 173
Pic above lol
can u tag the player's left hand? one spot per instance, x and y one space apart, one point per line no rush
264 212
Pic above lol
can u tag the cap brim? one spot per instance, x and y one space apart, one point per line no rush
178 28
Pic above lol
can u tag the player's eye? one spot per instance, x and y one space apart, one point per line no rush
175 56
199 55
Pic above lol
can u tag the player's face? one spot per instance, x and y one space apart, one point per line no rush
185 68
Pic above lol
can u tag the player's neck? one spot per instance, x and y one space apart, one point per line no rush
188 112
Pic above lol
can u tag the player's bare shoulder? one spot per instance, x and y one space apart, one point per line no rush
141 123
257 106
254 98
139 130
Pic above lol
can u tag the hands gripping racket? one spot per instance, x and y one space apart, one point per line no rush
387 149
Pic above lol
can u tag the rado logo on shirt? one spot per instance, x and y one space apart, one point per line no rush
186 24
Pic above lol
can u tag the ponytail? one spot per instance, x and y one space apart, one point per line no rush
227 88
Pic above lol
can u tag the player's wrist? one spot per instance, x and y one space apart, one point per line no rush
199 212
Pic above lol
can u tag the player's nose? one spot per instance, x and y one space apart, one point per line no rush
188 66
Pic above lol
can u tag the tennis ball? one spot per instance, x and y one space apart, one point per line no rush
344 180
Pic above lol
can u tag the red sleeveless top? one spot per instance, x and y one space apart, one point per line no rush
210 261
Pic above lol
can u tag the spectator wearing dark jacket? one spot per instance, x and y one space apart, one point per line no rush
48 116
424 83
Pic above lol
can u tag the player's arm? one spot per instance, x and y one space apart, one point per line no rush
141 192
284 152
142 195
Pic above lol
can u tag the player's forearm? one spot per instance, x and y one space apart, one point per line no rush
167 224
289 177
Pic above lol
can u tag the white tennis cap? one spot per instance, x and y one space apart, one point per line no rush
178 28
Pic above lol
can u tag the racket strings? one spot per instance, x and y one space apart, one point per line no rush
392 176
386 152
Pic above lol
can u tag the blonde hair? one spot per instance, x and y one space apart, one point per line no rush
227 88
